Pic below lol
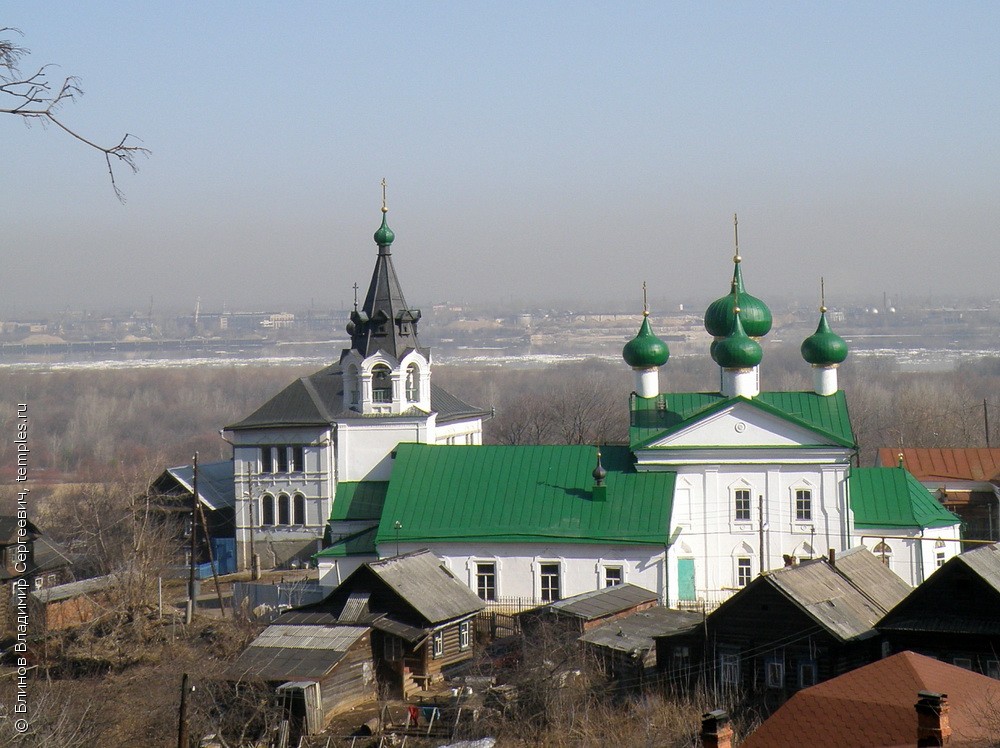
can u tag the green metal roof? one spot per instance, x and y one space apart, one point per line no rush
523 493
359 500
361 543
825 415
892 497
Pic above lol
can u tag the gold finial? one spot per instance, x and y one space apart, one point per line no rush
645 304
901 459
822 295
385 209
736 234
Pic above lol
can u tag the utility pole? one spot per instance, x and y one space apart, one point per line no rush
189 612
760 517
182 727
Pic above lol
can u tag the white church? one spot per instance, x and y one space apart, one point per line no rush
368 458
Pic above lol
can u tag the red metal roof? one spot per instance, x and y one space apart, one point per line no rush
972 464
873 707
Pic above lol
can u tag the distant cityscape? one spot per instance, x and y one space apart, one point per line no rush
466 331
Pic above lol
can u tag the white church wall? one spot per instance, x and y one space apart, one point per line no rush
364 446
914 554
582 567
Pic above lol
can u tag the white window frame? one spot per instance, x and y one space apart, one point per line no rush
619 569
437 644
741 568
476 563
558 577
463 635
811 492
735 501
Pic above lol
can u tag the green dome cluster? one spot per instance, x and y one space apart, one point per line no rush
824 347
645 350
737 350
719 317
384 235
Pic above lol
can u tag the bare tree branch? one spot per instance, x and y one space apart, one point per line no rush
36 101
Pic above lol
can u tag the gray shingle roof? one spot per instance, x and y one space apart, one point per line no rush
985 562
635 632
872 577
847 600
603 602
423 581
318 400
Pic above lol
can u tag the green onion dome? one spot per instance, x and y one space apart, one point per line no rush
645 350
756 316
824 347
738 350
384 235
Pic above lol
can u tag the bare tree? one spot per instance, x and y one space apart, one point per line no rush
34 98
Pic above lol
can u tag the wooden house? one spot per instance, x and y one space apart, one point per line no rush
394 624
903 700
788 629
28 558
626 646
578 614
954 615
68 605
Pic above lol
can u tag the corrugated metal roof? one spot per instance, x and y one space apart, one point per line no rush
523 493
603 602
873 706
637 631
970 464
318 400
359 500
402 630
356 607
870 575
423 581
72 589
215 482
283 652
826 415
827 597
892 497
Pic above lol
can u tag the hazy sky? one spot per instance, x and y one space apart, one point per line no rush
535 152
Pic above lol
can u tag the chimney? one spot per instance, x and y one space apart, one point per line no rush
933 724
832 557
715 730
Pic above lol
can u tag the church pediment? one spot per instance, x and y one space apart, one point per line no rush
742 424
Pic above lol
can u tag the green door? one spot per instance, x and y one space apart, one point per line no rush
685 579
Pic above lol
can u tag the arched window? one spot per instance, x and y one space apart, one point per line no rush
883 552
267 510
412 383
939 553
284 517
381 384
299 509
